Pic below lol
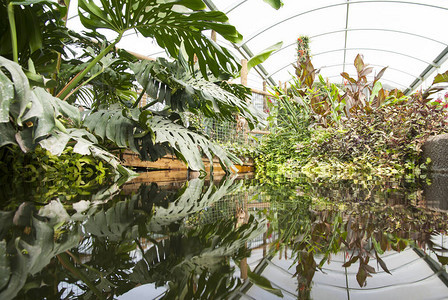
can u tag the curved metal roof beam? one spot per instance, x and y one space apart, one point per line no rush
234 6
365 29
438 61
369 49
373 65
244 50
335 5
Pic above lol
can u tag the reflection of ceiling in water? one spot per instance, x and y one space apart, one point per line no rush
412 278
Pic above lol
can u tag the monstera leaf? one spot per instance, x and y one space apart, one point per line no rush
36 112
15 93
189 145
154 136
173 84
85 143
173 24
112 124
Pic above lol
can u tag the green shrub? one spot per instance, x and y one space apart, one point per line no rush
390 135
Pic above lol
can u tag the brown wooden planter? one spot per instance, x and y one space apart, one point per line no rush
170 162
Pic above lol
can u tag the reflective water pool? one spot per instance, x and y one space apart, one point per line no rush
227 238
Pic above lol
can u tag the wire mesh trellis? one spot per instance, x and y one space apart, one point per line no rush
245 200
220 131
226 132
238 132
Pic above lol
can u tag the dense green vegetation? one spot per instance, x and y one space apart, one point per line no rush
66 93
359 130
318 128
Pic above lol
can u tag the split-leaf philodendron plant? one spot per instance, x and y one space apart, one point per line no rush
43 80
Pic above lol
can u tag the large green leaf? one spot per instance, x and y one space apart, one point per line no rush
189 145
85 144
22 92
441 78
113 125
46 110
171 29
35 111
263 55
172 84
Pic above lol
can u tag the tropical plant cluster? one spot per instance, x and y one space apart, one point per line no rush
347 131
61 89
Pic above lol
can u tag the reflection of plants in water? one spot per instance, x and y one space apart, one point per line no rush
323 220
96 250
14 191
27 246
367 231
196 262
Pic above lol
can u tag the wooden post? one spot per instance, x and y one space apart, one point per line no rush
243 268
244 72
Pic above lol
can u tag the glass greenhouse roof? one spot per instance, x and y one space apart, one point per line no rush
407 36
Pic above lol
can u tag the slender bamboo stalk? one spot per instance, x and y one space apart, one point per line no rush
59 60
140 97
13 30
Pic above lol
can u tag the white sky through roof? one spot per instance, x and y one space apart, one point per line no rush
407 36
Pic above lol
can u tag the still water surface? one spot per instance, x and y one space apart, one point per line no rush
228 238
